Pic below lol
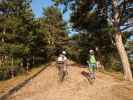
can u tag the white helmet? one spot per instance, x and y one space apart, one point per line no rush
91 51
64 52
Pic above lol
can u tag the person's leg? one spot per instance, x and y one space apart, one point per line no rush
94 71
60 71
65 69
91 70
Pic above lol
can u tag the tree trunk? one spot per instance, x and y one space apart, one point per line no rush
118 41
123 56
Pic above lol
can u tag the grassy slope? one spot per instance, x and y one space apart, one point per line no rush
7 84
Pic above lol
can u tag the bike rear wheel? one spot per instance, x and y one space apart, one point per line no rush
61 75
62 72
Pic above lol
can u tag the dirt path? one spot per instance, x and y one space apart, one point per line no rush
75 87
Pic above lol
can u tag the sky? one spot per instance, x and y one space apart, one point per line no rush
38 5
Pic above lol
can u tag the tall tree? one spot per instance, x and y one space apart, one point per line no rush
86 15
16 27
116 20
55 28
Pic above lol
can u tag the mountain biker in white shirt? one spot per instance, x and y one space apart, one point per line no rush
62 64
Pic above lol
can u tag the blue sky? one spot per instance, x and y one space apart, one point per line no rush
38 5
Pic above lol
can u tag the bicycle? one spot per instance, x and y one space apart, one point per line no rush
62 72
88 76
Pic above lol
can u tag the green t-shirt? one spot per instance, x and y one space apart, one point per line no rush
92 59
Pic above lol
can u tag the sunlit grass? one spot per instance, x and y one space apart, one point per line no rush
116 75
7 84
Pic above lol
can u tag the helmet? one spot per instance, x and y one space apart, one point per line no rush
64 52
91 51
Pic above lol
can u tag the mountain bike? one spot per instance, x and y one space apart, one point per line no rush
62 72
89 77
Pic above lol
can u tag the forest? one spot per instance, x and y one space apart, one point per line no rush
27 42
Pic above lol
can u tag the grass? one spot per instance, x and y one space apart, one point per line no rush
116 75
7 84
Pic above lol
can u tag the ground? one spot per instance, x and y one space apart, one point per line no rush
46 86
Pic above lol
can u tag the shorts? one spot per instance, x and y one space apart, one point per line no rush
92 67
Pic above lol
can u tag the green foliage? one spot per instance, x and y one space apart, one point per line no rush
17 35
94 30
16 25
10 64
55 32
26 39
18 50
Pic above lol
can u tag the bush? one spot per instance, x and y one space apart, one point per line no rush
112 62
18 50
83 56
7 68
4 74
72 53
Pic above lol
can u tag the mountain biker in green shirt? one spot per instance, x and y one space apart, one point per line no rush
92 64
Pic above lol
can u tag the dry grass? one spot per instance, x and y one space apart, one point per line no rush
74 87
116 75
7 84
46 86
124 91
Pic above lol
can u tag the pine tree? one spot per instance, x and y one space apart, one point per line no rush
54 29
87 15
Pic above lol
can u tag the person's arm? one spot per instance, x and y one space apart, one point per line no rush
95 59
88 62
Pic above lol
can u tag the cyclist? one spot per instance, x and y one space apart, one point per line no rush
62 61
92 64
